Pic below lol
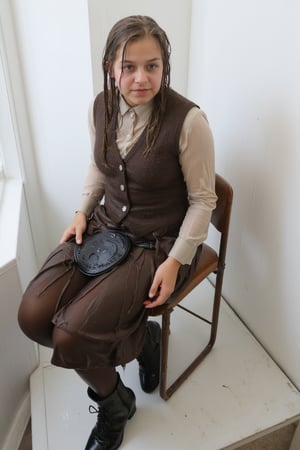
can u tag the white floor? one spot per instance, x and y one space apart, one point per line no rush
236 395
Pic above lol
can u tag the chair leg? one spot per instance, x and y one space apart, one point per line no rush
216 307
165 333
167 391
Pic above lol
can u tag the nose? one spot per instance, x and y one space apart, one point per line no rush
140 76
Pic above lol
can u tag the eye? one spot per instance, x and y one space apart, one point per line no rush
128 68
152 66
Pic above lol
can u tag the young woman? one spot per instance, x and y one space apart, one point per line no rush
153 168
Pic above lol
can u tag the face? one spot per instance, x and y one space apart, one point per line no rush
138 77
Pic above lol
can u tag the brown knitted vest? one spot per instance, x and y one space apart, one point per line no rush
145 195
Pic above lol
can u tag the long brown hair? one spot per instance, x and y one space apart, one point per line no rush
126 30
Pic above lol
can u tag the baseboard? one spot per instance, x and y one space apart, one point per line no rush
18 426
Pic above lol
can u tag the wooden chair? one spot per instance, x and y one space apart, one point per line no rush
211 261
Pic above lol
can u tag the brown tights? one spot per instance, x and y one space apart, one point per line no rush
35 319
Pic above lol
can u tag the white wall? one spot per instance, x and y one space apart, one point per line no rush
15 130
54 48
17 257
245 71
62 71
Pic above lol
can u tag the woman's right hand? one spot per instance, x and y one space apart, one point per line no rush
76 228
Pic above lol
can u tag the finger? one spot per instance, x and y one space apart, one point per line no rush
64 238
78 236
67 234
154 289
152 304
160 300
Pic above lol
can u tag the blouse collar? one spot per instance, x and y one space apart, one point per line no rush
142 111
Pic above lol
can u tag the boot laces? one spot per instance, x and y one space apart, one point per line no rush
102 423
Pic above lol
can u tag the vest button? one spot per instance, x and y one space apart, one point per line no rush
122 187
120 168
124 208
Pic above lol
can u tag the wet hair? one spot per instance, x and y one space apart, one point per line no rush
127 30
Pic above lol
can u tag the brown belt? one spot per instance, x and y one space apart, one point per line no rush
145 244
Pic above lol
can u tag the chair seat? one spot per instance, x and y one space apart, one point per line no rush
208 263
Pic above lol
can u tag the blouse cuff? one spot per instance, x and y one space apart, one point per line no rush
183 251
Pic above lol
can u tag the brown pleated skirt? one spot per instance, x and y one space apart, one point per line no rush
105 313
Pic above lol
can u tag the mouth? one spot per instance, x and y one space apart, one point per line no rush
141 91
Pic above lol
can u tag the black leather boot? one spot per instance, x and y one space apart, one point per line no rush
113 413
149 358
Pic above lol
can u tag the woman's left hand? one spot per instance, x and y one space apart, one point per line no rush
163 284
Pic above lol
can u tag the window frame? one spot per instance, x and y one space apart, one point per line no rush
10 167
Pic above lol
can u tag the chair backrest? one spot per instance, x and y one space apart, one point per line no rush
221 214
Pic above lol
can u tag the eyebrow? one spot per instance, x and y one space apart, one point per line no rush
126 61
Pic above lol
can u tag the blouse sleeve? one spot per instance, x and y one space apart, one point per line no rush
198 167
93 188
